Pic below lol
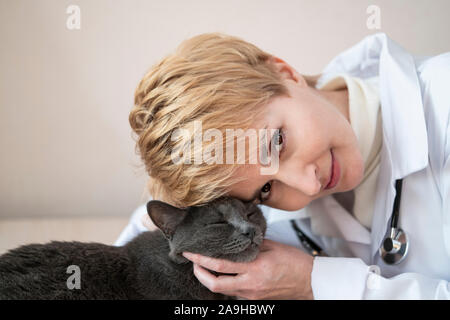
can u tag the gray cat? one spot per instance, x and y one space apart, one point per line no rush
148 267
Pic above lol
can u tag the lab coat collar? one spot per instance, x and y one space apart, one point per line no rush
405 144
405 147
404 129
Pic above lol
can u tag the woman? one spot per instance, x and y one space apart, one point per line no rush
377 115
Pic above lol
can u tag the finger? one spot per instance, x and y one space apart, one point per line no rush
267 245
218 265
229 285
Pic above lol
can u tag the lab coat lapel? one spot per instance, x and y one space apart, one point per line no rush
405 146
329 218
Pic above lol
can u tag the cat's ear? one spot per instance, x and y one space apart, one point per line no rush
165 217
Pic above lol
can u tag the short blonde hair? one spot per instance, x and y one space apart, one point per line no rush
214 78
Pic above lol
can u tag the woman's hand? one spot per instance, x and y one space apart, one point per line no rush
279 272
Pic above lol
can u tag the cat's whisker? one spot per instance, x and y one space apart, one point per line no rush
236 245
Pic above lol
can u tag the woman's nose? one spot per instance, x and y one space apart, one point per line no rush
306 179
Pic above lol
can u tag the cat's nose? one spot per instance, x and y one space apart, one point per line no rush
250 233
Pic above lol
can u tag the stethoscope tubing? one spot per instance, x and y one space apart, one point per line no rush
395 233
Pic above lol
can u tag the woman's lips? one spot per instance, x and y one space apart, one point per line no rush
335 172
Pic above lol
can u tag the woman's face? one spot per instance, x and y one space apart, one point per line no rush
313 130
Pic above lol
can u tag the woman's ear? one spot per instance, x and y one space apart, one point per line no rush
287 72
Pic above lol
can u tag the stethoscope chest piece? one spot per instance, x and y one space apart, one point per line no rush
395 248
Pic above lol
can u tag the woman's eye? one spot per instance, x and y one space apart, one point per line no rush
265 191
278 140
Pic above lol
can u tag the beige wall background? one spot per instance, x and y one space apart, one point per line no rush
65 143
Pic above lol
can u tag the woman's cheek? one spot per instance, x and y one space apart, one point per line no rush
289 200
353 171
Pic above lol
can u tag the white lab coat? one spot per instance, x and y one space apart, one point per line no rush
415 106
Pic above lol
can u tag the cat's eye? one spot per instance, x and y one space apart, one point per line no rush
218 223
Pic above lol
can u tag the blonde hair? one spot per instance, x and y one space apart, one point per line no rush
220 80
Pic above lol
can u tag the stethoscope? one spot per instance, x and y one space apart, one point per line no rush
394 247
